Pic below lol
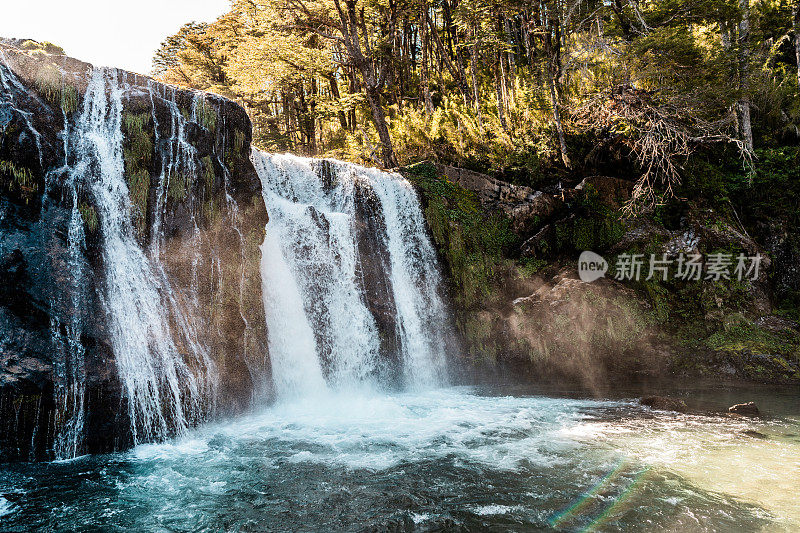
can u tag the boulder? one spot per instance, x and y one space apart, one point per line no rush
745 409
528 209
664 403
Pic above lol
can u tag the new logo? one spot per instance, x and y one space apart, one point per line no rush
591 266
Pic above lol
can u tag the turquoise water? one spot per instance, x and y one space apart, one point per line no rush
460 458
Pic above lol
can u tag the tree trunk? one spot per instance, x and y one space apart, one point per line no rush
457 72
498 86
373 71
379 118
744 72
310 112
424 79
624 24
796 26
474 70
511 58
557 119
552 49
335 94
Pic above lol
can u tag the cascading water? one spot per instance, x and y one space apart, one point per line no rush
178 160
322 331
416 281
71 392
163 393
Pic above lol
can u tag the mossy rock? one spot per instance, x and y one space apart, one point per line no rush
206 115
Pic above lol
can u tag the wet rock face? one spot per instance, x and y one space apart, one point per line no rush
375 263
197 210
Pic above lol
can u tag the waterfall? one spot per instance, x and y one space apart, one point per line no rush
163 393
346 248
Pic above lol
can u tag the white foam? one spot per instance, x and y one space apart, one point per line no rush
490 510
378 432
6 507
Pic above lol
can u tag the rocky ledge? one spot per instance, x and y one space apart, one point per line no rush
512 255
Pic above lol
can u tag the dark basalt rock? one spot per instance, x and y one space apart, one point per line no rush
220 204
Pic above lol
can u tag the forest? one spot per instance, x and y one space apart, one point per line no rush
660 92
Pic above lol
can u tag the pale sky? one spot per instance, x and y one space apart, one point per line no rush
105 32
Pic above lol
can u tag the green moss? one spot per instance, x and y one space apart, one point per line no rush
43 46
89 215
178 187
472 241
208 175
207 172
138 140
69 99
139 188
531 266
596 230
478 332
235 149
206 115
138 147
747 336
473 244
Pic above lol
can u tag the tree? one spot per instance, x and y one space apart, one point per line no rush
166 57
796 27
744 74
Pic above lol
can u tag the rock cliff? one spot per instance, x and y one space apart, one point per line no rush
191 219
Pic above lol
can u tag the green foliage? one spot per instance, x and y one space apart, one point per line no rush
138 147
235 149
207 172
17 179
473 242
596 227
178 187
139 187
746 336
50 83
44 46
138 139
